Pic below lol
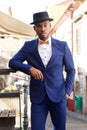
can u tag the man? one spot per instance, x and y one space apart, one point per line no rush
48 88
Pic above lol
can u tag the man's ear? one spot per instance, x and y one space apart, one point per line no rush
34 28
50 25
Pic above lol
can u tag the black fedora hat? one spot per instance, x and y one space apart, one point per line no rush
41 16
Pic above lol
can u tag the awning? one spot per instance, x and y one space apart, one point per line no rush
12 26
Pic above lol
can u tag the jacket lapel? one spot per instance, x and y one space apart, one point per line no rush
36 53
53 57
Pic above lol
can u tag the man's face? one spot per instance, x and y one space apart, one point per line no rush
43 29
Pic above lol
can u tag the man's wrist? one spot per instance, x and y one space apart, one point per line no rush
67 95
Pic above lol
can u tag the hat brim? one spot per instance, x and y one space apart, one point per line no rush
50 19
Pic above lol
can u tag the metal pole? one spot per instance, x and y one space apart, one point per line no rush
25 122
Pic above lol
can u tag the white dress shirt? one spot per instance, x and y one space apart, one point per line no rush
45 52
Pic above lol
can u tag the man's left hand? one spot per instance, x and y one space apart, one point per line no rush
67 96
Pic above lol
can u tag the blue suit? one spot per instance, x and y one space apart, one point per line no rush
54 86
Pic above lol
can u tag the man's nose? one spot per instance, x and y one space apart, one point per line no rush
43 28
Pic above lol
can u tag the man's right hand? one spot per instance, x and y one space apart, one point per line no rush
36 73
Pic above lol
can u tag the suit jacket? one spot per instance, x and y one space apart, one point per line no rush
54 83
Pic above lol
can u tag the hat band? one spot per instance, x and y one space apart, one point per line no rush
40 20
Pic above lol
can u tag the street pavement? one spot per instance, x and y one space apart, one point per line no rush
75 124
75 121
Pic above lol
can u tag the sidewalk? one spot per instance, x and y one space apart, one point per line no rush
76 121
77 115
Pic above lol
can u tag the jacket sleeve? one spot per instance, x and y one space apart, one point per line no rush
69 69
18 60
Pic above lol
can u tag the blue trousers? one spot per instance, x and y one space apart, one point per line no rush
40 111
